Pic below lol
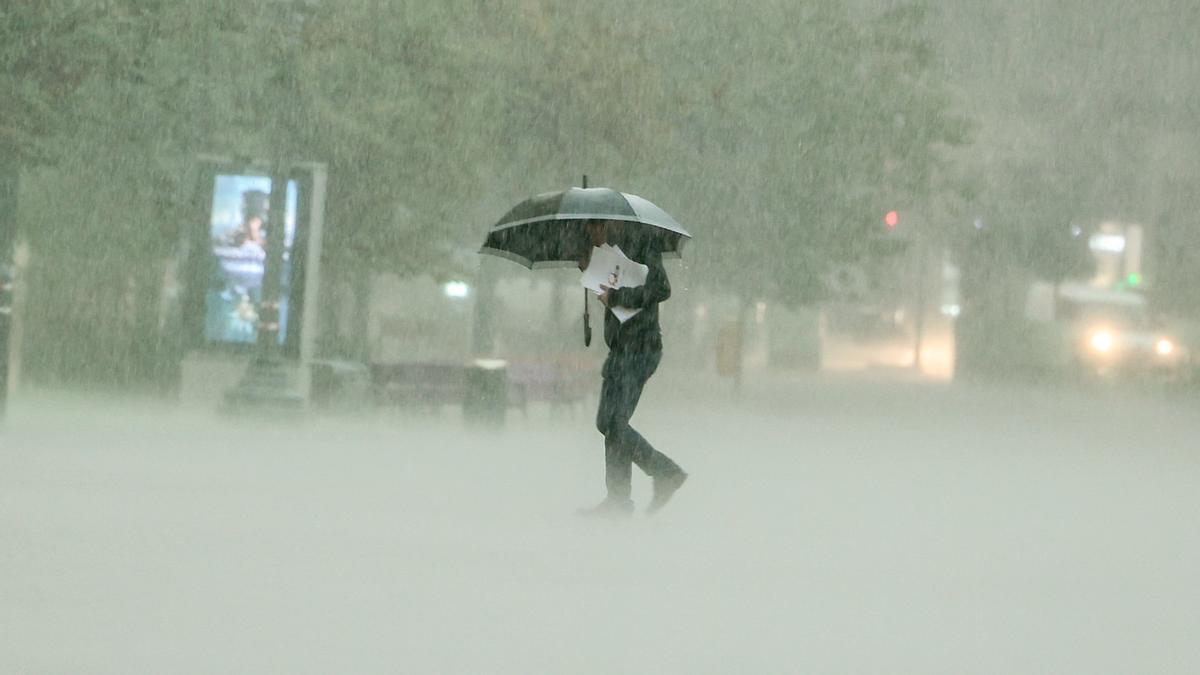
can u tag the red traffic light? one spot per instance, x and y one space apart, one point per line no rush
891 219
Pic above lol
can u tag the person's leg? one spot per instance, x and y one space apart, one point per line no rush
623 443
667 475
618 462
624 378
654 463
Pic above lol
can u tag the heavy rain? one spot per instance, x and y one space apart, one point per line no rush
325 327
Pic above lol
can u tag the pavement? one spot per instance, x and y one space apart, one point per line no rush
854 523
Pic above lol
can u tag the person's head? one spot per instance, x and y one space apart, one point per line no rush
602 231
595 231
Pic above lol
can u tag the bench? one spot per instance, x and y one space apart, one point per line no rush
430 385
558 380
562 380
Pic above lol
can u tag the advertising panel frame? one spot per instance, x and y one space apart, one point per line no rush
198 258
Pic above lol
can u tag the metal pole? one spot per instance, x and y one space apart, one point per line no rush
272 286
919 319
483 340
10 174
587 319
314 212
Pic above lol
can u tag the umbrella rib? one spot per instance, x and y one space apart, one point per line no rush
507 255
526 262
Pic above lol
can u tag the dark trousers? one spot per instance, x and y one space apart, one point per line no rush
624 377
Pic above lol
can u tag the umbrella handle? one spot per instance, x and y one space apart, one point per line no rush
587 321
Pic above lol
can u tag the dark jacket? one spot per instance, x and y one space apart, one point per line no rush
641 333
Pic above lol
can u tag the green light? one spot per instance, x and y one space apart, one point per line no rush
1134 279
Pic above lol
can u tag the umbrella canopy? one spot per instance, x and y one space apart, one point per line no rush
549 230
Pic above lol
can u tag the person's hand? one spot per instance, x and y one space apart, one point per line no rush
604 294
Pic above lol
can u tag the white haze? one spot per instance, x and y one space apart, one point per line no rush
831 525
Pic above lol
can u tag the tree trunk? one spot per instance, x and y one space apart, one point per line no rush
483 325
743 315
360 331
144 356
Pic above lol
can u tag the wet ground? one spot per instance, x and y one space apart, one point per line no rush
851 524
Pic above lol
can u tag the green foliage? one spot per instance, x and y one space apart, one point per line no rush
801 132
774 131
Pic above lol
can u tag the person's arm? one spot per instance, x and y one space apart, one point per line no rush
656 289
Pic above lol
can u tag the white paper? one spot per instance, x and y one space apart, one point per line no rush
609 266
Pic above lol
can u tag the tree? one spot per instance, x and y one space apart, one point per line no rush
424 112
802 133
435 118
131 91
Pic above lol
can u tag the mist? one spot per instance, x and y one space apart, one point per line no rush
851 527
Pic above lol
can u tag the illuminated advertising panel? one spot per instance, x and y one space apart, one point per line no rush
237 244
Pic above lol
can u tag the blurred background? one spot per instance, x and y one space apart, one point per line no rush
963 190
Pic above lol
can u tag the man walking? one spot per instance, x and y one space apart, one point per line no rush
635 350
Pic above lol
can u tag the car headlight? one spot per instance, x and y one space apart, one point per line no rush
1102 341
1164 347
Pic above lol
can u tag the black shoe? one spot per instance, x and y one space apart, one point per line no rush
612 507
664 489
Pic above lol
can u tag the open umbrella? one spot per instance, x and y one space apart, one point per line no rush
549 230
